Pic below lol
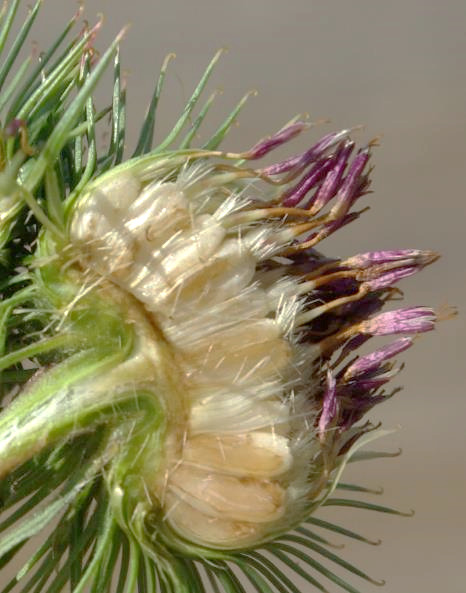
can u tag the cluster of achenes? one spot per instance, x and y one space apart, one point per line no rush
179 375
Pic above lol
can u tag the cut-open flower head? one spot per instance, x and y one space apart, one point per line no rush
179 368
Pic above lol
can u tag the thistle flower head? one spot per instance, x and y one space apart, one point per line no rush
180 364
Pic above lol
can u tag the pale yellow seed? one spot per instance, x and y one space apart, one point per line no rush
238 499
197 526
257 454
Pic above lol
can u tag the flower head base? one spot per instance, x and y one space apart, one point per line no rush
185 324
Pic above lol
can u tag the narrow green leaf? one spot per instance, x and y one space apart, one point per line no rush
357 488
4 561
83 127
42 574
134 562
370 455
8 22
34 80
55 82
212 580
34 523
228 579
31 502
334 558
11 88
39 213
151 577
60 132
190 105
54 202
91 142
317 566
195 581
222 131
142 583
101 552
18 43
124 564
77 539
297 568
103 579
271 572
258 582
187 140
55 548
116 106
77 548
78 155
341 530
360 504
57 466
315 537
146 135
117 142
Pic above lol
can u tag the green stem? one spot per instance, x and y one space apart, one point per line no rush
65 400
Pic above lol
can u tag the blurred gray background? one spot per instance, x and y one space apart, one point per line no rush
397 67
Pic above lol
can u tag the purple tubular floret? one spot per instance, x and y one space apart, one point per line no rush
392 277
331 183
266 145
333 226
308 181
300 161
351 186
373 361
410 320
409 256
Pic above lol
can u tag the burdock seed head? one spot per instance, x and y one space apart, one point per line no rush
180 374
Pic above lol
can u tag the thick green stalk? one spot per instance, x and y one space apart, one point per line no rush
64 400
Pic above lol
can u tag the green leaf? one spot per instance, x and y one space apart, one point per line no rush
314 564
187 140
357 488
34 80
341 530
101 553
60 132
34 523
9 91
18 43
333 557
144 143
296 568
311 535
370 455
7 23
190 105
222 131
271 572
228 579
260 585
124 565
360 504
